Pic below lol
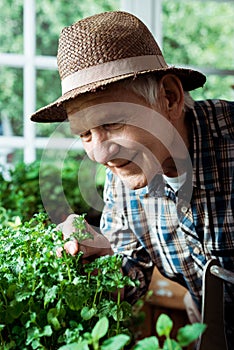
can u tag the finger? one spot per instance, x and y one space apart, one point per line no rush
59 227
59 252
71 247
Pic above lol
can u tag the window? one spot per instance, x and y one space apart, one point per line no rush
28 69
197 34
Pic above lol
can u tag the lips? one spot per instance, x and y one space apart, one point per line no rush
118 165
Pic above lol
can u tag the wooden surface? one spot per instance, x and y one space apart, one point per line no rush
166 293
167 298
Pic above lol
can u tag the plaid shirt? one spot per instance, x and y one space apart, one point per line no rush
153 226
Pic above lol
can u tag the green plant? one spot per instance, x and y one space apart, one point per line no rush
186 335
117 342
164 324
20 194
47 302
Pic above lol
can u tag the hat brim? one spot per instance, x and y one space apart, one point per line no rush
56 112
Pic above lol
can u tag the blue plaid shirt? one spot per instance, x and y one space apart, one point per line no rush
151 226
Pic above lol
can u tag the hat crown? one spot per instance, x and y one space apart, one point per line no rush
105 48
102 38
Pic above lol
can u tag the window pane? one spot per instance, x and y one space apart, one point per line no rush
11 33
9 156
52 16
48 87
200 33
48 90
11 101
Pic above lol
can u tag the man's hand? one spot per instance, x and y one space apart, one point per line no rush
92 248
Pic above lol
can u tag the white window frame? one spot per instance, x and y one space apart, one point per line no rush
150 14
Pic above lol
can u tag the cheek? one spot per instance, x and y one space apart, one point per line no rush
89 150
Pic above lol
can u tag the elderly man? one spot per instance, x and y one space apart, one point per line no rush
169 185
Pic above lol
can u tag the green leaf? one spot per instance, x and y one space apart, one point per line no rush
126 310
81 232
24 294
164 325
16 309
47 331
32 334
189 333
150 343
75 346
50 295
53 319
100 329
115 343
36 344
87 313
171 344
76 296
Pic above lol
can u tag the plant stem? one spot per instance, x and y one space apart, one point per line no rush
4 297
96 292
169 344
118 307
100 296
69 272
19 277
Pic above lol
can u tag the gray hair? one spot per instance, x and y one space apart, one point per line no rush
148 88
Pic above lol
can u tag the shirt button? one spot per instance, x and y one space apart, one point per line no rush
196 250
183 210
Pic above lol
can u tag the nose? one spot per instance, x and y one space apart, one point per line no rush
103 148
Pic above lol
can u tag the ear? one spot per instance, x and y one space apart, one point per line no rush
173 95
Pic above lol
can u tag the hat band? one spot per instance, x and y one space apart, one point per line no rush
112 69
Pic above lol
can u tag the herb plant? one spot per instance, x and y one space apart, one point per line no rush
48 302
185 336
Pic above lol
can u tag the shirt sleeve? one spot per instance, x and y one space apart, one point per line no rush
116 226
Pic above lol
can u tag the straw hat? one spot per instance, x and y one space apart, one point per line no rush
103 49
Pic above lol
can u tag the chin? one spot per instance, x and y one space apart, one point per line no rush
134 182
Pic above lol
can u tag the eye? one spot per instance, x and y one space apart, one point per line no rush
113 126
85 136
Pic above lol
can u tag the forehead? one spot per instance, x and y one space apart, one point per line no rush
115 93
109 106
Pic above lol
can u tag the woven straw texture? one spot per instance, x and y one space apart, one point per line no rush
102 38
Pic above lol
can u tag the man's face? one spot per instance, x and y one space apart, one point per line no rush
119 130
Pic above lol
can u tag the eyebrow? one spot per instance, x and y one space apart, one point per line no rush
86 122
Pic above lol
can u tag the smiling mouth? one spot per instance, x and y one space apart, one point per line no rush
119 166
123 165
120 163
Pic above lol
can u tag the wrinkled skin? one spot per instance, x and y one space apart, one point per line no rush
130 150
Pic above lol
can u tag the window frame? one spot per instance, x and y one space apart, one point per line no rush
150 14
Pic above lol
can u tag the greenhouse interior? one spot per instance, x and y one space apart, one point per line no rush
117 234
